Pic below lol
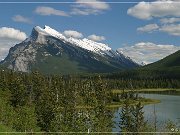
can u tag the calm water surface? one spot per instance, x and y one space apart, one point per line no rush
168 109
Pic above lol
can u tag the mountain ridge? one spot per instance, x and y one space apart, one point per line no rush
170 61
48 49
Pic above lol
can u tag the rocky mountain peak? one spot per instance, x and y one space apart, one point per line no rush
48 49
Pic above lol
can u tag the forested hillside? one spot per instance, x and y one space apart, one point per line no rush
166 70
172 61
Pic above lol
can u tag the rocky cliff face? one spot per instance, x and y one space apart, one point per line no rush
50 51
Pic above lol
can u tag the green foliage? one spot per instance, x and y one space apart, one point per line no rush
126 123
37 102
4 128
26 120
34 102
132 118
138 121
7 114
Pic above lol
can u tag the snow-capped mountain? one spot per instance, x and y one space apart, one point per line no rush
85 43
48 50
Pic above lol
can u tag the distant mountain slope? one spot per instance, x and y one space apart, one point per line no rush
167 68
171 61
49 51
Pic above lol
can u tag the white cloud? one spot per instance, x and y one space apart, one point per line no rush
9 37
19 18
148 28
72 33
148 52
94 4
47 11
172 29
5 46
77 11
96 38
169 20
12 33
86 7
160 8
80 7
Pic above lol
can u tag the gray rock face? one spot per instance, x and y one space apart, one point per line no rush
21 58
37 36
22 55
23 61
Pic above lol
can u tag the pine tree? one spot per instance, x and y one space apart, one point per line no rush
126 123
139 124
18 92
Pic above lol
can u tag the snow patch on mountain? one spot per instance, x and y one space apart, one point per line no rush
85 43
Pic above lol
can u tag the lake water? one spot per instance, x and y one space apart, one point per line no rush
168 109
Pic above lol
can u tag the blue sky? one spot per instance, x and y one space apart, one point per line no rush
133 28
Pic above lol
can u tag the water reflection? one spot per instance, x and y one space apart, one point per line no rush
160 117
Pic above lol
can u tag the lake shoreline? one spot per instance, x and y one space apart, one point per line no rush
145 101
163 91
